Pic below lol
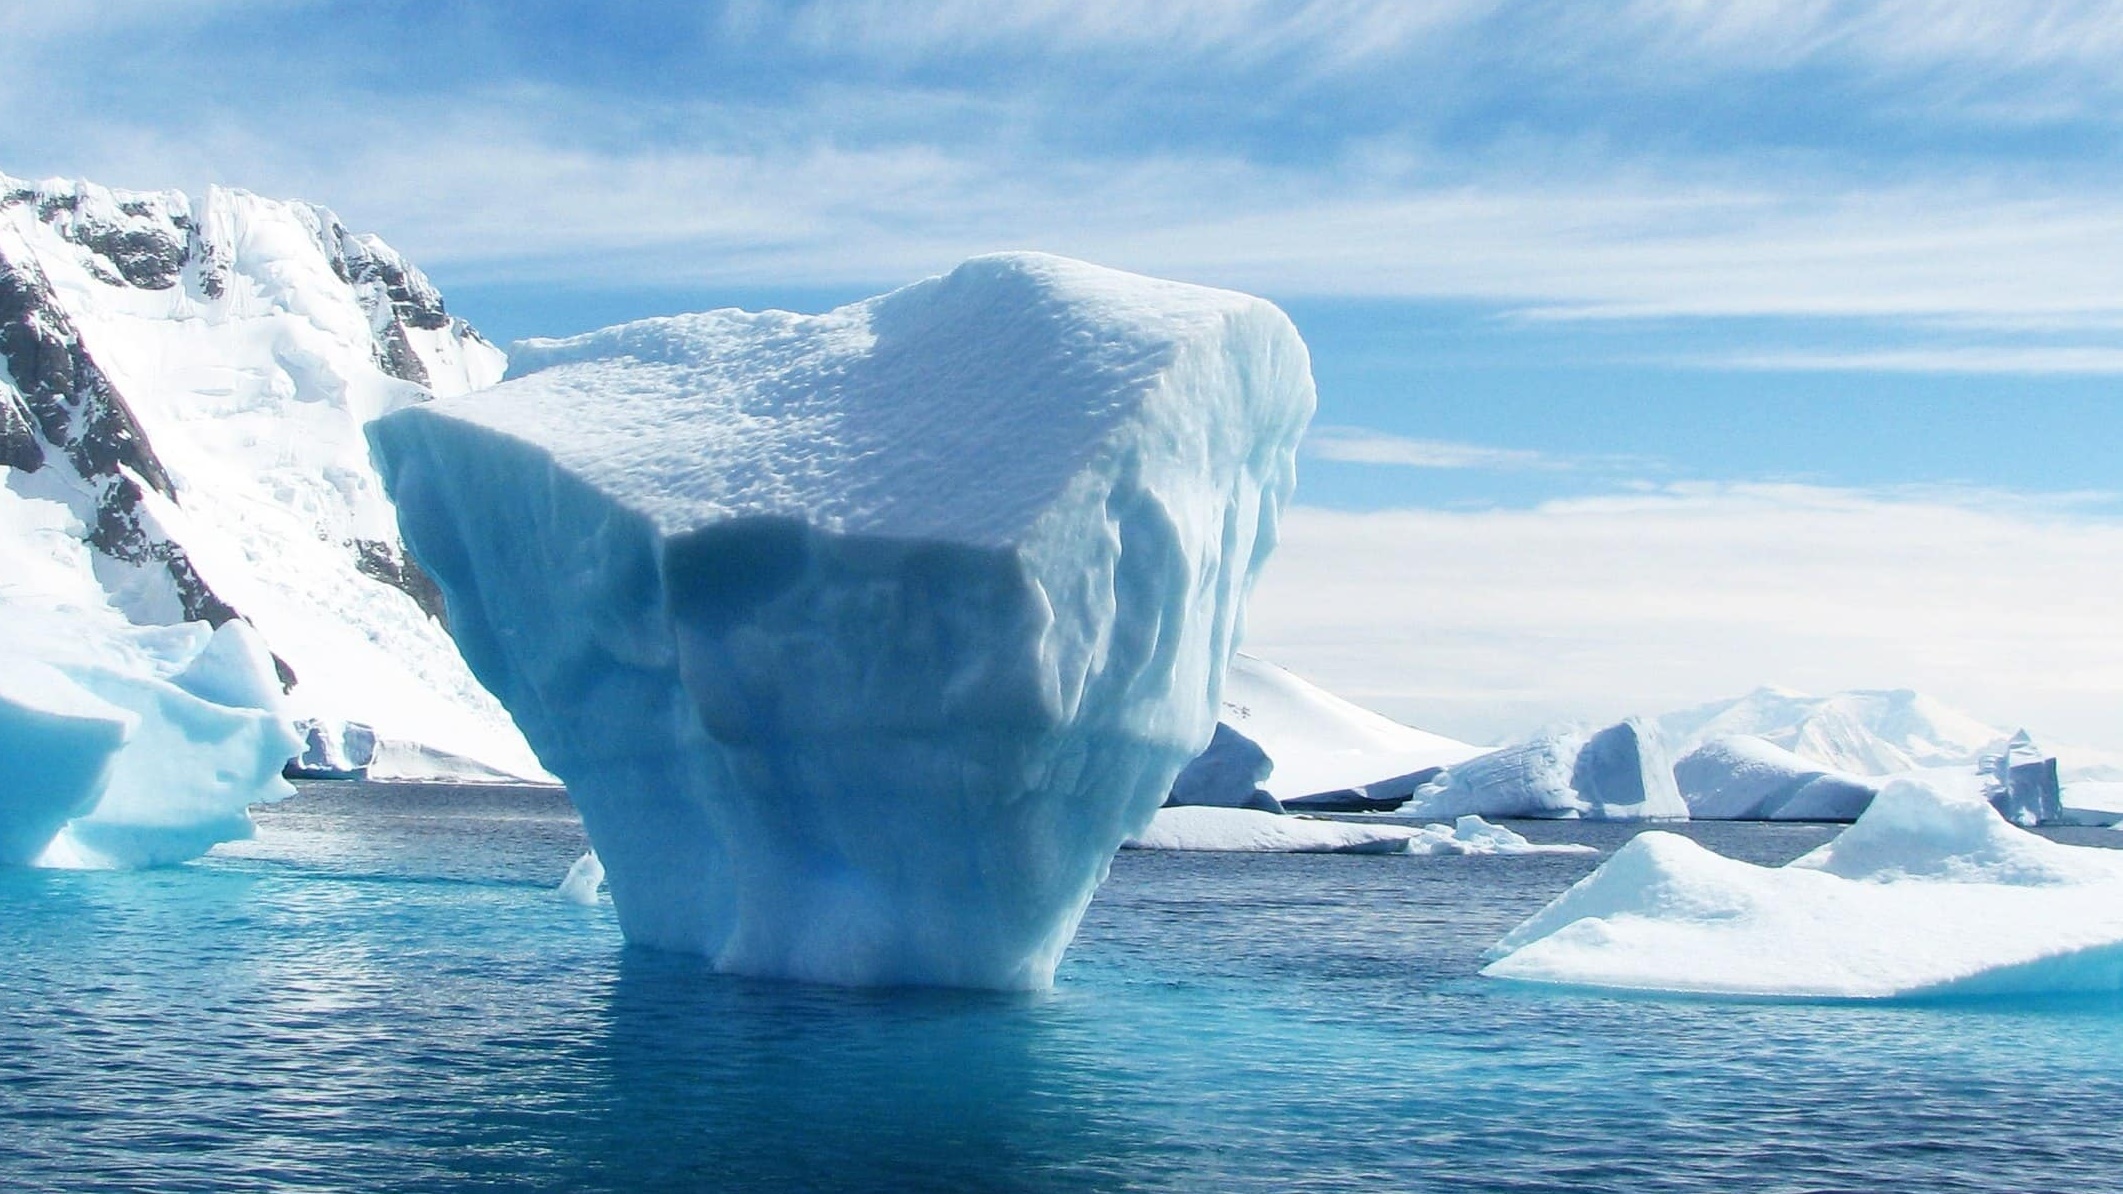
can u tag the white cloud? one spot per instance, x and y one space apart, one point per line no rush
1358 445
1490 623
2032 361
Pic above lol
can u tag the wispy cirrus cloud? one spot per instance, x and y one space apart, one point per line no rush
2022 360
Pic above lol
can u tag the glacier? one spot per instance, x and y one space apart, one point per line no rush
1930 893
1620 773
186 378
862 640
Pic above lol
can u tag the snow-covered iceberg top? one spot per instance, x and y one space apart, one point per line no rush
1931 892
1252 831
863 639
1621 773
1744 778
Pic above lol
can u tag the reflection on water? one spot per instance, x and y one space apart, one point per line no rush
383 993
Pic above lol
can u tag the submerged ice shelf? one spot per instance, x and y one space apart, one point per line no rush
862 640
1930 892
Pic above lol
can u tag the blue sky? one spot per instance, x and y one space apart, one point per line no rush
1868 257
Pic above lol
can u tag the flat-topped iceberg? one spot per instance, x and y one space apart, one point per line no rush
1929 893
1620 773
862 640
1744 778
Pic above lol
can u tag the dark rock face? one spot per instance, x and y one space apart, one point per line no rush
390 564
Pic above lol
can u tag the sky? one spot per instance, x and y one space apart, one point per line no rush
1665 347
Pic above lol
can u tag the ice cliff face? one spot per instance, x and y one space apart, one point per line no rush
862 640
187 381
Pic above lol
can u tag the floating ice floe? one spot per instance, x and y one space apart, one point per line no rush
1930 892
1245 830
862 640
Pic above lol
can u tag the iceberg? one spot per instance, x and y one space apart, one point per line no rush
2021 782
1620 773
121 745
1245 830
1929 893
1226 775
862 640
1744 778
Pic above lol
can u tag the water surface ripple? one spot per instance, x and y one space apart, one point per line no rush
382 993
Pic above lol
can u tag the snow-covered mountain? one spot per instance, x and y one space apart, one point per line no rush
1320 742
184 390
1862 732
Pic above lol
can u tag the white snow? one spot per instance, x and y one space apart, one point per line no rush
1620 773
1245 830
1931 892
1319 742
1744 778
862 640
1863 732
251 377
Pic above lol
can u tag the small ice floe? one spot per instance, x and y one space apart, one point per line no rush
583 880
1931 892
1246 830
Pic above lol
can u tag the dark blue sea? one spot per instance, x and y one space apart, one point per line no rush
383 993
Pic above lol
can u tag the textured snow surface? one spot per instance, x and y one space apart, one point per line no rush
1319 742
1620 773
1931 892
862 640
249 340
121 745
1743 778
1245 830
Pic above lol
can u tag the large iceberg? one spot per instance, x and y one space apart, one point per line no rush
862 640
1744 778
1620 773
1931 892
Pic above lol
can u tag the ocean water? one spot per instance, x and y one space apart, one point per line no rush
383 993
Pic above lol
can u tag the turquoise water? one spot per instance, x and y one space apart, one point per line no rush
382 993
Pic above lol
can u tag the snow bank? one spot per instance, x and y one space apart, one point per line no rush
1743 778
862 640
1930 892
1243 830
1620 773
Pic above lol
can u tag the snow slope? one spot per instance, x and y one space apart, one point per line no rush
1929 893
189 379
1319 742
862 640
